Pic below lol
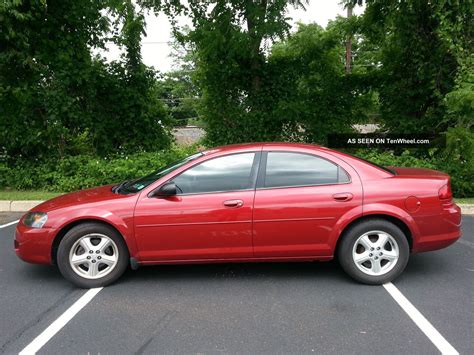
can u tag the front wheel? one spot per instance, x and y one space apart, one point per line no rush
374 252
92 255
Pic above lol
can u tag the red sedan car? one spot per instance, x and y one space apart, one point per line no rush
246 203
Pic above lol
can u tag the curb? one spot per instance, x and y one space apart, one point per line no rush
23 206
18 206
467 209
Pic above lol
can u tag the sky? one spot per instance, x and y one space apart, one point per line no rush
155 45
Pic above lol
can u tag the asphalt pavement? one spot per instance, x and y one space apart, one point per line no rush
241 308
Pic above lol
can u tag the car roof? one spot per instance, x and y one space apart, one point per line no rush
257 146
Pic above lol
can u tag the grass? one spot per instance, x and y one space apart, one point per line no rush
469 200
14 195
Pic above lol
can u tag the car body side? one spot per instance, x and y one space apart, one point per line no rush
410 201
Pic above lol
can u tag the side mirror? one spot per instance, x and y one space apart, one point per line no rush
166 190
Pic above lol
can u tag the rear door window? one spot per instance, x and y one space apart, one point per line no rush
285 169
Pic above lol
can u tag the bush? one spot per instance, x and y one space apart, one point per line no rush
457 160
84 171
389 158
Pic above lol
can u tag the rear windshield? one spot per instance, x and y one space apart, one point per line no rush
384 168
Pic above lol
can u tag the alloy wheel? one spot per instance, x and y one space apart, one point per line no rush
375 253
93 256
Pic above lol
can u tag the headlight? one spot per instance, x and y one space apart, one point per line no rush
35 219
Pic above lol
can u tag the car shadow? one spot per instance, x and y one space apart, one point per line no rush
295 271
39 273
329 271
427 264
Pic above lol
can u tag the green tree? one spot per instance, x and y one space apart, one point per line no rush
177 88
179 94
419 44
45 67
56 98
137 119
310 88
232 70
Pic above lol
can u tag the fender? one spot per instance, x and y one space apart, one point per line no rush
371 209
124 224
397 212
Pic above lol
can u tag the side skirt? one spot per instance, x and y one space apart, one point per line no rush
135 263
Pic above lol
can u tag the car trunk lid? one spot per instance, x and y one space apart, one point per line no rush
419 173
444 192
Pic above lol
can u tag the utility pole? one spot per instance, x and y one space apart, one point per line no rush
349 43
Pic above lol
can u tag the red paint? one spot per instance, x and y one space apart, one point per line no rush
194 226
412 204
262 224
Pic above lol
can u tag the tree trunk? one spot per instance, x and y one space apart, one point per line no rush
254 14
349 44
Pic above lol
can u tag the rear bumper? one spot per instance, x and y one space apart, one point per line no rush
436 242
33 245
446 228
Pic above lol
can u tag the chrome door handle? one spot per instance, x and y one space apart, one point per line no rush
344 196
233 203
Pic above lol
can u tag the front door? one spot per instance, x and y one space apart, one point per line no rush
209 218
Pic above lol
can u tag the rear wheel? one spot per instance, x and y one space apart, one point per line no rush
374 251
92 255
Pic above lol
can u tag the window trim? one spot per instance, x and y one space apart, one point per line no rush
253 174
263 172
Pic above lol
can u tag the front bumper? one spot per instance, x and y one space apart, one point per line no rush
33 245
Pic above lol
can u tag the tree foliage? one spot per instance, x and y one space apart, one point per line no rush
253 89
310 90
56 98
419 45
177 89
231 68
244 73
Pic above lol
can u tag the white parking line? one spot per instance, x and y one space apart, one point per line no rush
436 338
9 224
466 242
59 323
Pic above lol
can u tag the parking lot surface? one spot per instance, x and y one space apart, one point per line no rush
241 308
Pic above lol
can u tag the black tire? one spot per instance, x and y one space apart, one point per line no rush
350 237
69 242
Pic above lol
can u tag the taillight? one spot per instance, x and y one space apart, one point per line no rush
444 192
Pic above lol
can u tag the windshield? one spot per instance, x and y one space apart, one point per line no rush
139 184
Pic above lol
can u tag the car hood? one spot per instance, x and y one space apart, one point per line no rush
89 196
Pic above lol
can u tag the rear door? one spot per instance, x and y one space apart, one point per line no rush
299 199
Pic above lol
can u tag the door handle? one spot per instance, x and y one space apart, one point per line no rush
233 203
344 196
